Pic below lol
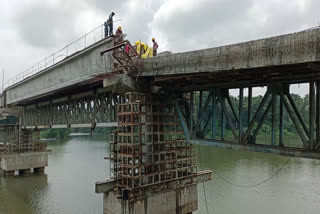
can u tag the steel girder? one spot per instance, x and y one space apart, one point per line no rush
276 101
87 109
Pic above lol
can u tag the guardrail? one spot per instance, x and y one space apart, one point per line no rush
88 39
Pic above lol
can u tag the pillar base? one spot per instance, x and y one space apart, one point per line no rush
8 173
39 171
24 172
179 201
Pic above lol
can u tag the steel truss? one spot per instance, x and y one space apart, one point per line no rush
217 105
89 109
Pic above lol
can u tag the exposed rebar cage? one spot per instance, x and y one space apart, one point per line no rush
149 152
20 141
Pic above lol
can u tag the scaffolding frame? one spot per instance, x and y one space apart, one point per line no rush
149 152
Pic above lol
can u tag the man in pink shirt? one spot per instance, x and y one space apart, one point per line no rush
155 47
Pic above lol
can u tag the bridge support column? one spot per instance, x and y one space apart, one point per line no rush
179 201
153 165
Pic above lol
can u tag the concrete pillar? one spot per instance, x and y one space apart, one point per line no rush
8 173
176 201
39 170
24 172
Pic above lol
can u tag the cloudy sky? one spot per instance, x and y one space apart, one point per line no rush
33 29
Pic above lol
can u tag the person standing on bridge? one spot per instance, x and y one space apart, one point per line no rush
106 26
155 47
111 23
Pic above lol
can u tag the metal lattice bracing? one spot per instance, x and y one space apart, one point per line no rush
217 109
150 151
85 110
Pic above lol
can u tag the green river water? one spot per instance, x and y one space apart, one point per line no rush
75 165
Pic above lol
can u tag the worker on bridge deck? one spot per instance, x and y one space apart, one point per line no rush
106 26
155 47
119 34
111 23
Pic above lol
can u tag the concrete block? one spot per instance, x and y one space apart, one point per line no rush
24 161
180 201
105 186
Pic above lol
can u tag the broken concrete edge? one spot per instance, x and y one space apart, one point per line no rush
105 186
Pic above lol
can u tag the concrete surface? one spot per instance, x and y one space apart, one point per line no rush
20 161
105 186
287 49
74 70
180 201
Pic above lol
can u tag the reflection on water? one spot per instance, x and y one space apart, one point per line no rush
78 163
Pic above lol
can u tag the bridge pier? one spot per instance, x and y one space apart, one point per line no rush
180 201
153 166
22 151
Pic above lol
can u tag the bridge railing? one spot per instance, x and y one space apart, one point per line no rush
86 40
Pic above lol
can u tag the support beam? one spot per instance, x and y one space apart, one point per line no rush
256 132
183 122
312 114
214 117
191 113
226 113
240 115
294 119
249 105
223 124
317 144
199 110
273 118
281 143
255 117
232 108
296 111
201 115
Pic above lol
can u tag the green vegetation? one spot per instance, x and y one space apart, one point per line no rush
302 104
55 133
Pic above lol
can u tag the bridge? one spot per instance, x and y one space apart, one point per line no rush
163 105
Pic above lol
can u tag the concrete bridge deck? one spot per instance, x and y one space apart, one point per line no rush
288 58
81 69
291 58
